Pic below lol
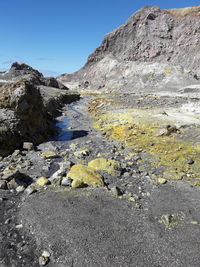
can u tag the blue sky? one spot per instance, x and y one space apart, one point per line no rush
56 36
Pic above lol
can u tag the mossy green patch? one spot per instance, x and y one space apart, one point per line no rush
108 165
81 174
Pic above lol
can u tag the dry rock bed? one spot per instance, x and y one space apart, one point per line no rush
118 186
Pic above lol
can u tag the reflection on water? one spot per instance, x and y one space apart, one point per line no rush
63 133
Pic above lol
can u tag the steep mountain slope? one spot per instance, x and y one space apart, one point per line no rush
153 34
150 35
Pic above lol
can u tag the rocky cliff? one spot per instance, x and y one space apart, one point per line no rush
28 104
150 35
153 34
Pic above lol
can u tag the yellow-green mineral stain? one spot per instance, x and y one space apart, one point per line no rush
81 174
108 165
138 129
171 220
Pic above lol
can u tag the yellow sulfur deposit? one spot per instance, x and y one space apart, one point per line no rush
139 130
42 181
81 174
108 165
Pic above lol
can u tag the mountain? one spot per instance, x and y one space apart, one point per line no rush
150 36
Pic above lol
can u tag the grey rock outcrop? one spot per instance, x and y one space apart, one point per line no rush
153 34
28 103
150 36
20 71
22 116
111 74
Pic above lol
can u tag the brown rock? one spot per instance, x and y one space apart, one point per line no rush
28 146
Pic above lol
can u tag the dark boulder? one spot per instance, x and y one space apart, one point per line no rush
23 117
52 82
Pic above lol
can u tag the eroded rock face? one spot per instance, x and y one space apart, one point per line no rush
22 116
153 48
153 34
111 74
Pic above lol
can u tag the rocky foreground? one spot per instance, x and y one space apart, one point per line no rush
117 184
95 201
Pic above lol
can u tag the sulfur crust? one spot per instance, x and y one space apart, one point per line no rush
138 130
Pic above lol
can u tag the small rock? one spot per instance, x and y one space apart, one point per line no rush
82 153
123 165
66 181
137 158
167 130
3 185
56 182
73 146
62 171
42 181
20 189
28 146
161 181
190 161
132 199
194 222
7 221
166 218
43 260
45 168
9 174
30 190
12 184
68 164
116 191
16 153
46 254
77 184
19 226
